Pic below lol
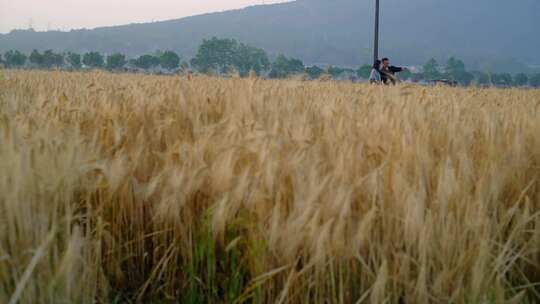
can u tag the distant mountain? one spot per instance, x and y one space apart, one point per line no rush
490 34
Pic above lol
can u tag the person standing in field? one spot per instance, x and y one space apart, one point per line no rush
375 75
388 72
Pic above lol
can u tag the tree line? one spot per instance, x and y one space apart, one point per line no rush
114 62
455 70
225 56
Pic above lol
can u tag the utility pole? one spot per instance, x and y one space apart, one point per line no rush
376 38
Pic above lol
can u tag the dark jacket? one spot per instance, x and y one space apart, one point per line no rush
391 70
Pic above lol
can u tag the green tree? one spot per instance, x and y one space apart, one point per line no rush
521 79
145 62
247 58
335 71
431 69
283 67
116 61
74 60
455 70
93 60
215 56
454 67
314 72
36 58
364 71
169 60
15 59
52 59
534 80
222 56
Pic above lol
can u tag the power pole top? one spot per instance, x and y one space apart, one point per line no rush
376 38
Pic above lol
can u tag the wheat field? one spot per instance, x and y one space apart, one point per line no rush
147 189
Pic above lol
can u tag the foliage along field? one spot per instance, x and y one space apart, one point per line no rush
137 188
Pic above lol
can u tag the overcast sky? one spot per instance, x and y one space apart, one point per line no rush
74 14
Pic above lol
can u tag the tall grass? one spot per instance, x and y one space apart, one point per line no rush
130 188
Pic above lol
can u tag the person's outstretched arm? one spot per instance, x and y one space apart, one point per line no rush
395 69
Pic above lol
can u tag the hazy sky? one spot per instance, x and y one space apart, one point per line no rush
74 14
